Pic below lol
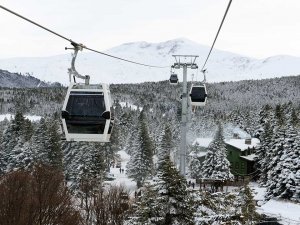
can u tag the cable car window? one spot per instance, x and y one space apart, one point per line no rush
198 94
85 110
86 104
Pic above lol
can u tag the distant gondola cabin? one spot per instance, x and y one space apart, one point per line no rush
173 79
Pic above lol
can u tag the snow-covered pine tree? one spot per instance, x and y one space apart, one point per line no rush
276 152
97 164
129 130
248 209
40 143
83 162
54 145
166 201
283 175
166 144
13 143
146 209
195 163
173 196
263 152
216 165
9 141
141 164
295 167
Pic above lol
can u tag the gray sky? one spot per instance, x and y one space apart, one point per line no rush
257 28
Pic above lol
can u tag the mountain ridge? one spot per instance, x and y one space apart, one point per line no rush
17 80
222 65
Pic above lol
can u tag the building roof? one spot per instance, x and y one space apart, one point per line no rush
203 142
249 157
198 154
240 143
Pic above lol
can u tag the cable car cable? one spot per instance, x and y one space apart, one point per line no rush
73 42
217 34
126 60
36 24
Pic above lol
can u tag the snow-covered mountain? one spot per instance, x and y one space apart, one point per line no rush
15 80
222 65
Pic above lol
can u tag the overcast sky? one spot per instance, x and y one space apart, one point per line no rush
257 28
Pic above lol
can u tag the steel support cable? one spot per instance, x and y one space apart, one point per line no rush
126 60
228 6
76 43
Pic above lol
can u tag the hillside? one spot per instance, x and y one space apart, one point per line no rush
237 105
222 66
16 80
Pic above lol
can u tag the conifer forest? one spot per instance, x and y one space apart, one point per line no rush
47 180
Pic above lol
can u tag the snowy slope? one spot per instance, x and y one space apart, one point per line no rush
286 211
15 80
10 116
222 66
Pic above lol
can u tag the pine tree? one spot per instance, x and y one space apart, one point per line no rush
166 144
97 163
195 166
141 164
216 165
40 143
263 152
283 180
9 141
276 152
248 209
167 201
12 143
146 209
173 195
54 144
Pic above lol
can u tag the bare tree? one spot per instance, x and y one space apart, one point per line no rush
111 206
36 199
52 198
16 205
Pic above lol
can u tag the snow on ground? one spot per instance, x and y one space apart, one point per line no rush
287 212
9 116
133 107
259 192
121 177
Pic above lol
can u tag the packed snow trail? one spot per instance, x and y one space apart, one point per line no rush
121 178
286 211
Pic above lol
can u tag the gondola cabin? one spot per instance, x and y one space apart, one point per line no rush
198 95
173 79
86 113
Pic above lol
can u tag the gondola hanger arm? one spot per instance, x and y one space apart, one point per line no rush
72 71
204 75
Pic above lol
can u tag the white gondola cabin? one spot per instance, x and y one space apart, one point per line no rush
173 79
198 95
86 113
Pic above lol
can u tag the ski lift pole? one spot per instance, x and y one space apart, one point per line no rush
184 101
183 122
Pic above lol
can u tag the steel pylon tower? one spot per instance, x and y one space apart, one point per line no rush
184 62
